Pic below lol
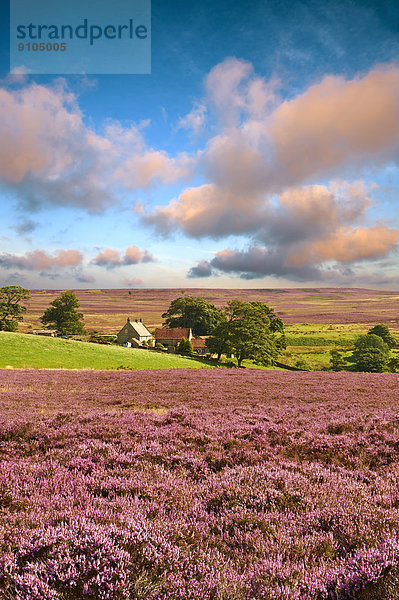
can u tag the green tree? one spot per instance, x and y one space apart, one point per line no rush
219 342
62 315
372 360
371 354
252 331
393 365
185 346
197 313
11 311
383 332
364 342
337 363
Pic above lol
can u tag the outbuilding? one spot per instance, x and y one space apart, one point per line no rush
171 337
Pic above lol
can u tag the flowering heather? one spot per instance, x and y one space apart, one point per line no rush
206 485
106 310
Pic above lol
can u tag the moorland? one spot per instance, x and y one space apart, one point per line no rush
130 480
216 484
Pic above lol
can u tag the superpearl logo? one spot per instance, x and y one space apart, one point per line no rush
80 37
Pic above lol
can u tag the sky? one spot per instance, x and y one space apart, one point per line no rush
261 151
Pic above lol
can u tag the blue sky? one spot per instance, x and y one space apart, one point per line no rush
262 150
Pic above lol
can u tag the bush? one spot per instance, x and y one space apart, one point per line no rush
372 360
371 354
185 346
337 363
159 346
383 332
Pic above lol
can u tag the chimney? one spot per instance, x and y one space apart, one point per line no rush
128 320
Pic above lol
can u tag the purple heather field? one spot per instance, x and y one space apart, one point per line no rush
192 485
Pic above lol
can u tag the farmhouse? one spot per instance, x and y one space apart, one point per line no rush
133 333
170 338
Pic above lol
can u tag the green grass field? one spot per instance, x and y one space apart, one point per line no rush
312 343
30 351
306 342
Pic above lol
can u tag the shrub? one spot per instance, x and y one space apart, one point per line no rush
185 346
383 332
337 363
371 354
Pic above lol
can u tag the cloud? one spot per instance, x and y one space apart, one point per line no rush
132 282
233 91
40 260
347 245
25 226
253 263
335 123
202 269
48 155
82 278
110 258
323 258
332 126
307 233
139 170
194 121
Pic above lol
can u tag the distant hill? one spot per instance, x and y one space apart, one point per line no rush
107 310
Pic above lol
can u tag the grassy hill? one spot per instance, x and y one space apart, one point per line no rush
30 351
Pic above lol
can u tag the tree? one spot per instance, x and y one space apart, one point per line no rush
197 313
219 343
63 315
383 332
185 346
371 354
364 342
250 331
372 360
337 363
11 310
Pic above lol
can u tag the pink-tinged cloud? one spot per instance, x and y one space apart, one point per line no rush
334 125
48 155
110 258
40 260
194 121
318 260
308 234
139 170
348 245
205 210
233 91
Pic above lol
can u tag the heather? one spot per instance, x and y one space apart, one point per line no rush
106 310
217 484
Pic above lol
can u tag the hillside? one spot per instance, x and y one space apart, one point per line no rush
107 310
31 351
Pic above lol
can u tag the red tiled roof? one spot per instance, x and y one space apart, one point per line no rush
164 333
198 343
